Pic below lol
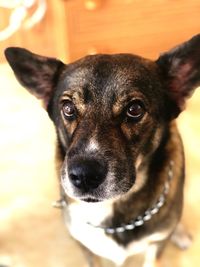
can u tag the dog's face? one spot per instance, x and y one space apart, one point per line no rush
108 116
110 111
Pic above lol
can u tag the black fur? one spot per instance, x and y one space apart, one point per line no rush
102 89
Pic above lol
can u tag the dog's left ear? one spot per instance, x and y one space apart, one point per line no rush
180 68
36 73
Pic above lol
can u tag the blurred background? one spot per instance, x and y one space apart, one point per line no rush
31 231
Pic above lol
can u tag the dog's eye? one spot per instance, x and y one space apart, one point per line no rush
68 109
135 110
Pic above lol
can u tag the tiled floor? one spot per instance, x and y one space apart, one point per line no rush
32 233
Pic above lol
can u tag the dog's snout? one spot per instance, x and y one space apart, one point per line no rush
87 174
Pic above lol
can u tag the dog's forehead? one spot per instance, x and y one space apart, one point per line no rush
108 73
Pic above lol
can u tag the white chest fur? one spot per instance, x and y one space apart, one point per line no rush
96 240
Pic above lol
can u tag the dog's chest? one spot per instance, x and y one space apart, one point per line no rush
81 221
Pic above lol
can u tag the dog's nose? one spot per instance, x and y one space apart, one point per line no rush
87 174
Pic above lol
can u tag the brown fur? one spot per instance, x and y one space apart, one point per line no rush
129 162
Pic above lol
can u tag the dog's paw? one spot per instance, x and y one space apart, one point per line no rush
181 237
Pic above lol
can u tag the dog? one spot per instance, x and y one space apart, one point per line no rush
120 154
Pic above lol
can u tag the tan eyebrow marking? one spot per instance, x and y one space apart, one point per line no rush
76 97
123 100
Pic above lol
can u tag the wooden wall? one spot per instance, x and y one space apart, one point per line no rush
74 28
141 27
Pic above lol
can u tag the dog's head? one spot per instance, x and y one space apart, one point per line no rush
110 111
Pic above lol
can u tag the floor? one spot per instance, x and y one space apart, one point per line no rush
31 231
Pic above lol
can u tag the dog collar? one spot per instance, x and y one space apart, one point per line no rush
140 220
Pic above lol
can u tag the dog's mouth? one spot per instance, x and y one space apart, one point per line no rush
90 200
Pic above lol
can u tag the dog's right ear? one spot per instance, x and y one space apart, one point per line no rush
37 73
